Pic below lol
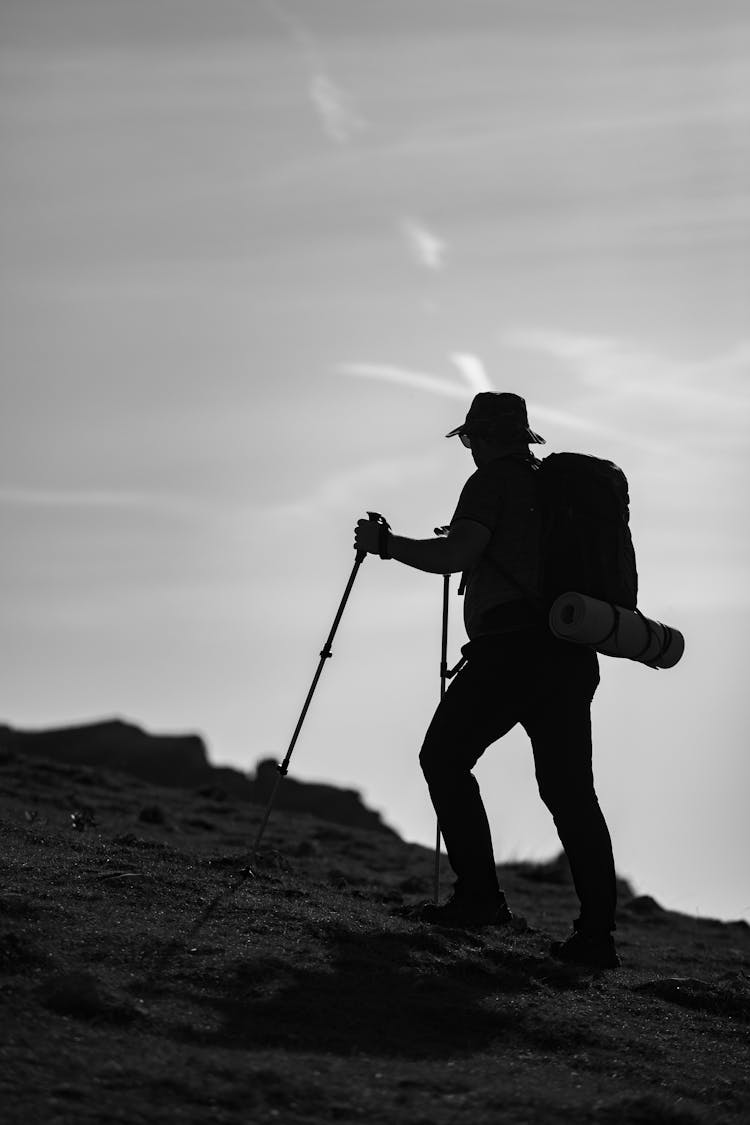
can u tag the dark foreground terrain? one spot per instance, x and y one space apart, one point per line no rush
309 996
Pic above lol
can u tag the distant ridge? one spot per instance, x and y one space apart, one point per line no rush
181 761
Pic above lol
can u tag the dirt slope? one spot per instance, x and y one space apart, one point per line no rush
309 996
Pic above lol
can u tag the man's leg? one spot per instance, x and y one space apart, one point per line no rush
477 709
559 725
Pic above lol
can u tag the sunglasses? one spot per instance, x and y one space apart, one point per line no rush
465 440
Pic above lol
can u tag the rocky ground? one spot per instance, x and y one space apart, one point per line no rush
309 995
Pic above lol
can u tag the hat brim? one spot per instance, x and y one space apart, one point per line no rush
531 437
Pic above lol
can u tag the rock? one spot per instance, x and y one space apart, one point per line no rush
555 871
644 905
79 994
340 806
174 760
114 744
181 761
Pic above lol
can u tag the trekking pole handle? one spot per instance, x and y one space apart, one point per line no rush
385 528
442 533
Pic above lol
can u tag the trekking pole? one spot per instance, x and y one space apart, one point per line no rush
246 872
443 678
325 654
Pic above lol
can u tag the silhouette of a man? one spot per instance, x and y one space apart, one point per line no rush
516 671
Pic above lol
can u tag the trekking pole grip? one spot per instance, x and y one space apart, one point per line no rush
385 530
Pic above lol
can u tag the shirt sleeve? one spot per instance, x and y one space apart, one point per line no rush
479 501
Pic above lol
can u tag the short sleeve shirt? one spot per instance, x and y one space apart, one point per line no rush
502 497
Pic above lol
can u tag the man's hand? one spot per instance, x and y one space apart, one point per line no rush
367 537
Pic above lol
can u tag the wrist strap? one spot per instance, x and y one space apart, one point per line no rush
384 541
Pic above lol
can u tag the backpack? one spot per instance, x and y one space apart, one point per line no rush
584 534
585 539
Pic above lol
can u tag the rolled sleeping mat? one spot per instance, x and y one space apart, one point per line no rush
615 631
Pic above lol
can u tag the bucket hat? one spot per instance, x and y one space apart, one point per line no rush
502 412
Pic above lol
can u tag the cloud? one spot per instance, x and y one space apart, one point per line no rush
21 496
691 418
335 109
333 106
575 347
353 488
476 380
716 385
432 384
426 247
472 369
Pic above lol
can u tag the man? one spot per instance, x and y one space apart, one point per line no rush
516 671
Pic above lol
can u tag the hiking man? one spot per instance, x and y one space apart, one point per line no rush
516 671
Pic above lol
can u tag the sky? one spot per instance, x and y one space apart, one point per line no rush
255 260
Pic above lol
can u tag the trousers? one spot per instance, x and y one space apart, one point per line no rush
547 685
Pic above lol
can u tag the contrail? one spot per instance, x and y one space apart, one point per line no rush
433 384
472 369
476 380
469 366
342 122
333 106
426 247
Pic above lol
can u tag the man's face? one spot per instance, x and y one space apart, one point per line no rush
484 449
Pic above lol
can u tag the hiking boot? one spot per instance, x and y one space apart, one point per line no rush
595 950
466 912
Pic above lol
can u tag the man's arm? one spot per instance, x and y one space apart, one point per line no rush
463 545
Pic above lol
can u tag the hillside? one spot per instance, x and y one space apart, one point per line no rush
309 995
